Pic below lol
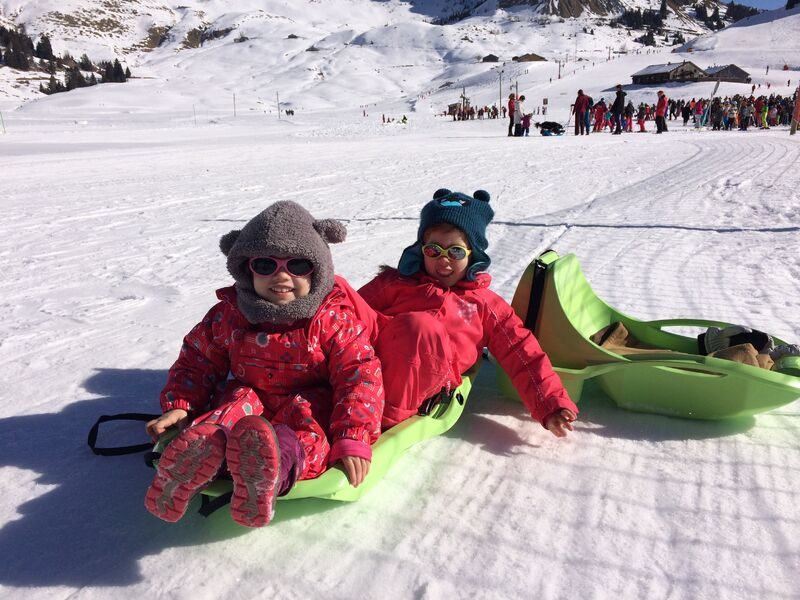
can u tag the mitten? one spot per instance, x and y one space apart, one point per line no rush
785 350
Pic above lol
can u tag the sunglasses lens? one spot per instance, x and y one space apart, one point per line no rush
432 250
299 266
457 252
263 266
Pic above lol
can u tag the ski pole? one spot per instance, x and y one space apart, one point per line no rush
2 122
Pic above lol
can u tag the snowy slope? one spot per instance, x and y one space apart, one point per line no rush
109 253
114 199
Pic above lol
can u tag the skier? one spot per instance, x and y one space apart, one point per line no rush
661 109
579 110
617 109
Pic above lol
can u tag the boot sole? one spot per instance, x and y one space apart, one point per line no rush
254 463
187 465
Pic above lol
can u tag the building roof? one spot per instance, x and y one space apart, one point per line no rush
667 68
717 68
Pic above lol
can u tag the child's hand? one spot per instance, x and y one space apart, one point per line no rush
356 469
157 427
560 422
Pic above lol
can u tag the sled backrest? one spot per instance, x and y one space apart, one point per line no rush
556 302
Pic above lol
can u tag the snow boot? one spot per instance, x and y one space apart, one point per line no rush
188 464
255 466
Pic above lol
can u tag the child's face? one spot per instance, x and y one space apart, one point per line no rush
281 287
444 269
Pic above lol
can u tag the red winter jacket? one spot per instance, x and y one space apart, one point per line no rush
476 317
661 106
581 104
332 349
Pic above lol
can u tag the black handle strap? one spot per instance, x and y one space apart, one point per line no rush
537 291
119 450
210 505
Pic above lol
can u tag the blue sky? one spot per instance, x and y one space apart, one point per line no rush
765 4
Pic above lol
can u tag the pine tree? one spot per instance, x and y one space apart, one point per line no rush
16 58
663 10
55 86
119 74
790 4
73 78
127 73
84 63
44 50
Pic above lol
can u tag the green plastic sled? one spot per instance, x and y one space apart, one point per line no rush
557 303
333 484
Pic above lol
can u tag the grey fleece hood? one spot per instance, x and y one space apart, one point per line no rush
283 229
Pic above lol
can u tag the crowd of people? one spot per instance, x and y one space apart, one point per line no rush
720 113
618 115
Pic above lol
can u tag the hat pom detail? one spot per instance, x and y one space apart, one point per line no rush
441 193
481 195
332 231
227 241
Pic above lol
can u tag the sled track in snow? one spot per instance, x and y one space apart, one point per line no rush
712 172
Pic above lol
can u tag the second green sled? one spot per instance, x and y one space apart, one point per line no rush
556 302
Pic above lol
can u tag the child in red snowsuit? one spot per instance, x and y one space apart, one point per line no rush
438 314
279 379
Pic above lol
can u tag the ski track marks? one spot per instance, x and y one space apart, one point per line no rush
110 257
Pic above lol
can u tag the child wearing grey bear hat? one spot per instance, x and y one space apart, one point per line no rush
279 379
438 313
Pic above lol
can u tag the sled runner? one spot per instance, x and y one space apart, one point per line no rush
557 303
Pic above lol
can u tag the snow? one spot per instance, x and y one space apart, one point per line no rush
115 198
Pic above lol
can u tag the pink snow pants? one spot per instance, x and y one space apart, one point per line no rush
305 414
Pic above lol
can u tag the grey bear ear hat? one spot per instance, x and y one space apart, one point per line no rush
283 229
471 214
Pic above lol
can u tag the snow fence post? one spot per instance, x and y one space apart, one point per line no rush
2 122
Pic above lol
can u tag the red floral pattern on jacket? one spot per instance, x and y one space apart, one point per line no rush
476 317
331 349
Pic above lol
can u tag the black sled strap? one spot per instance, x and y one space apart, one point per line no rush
210 505
537 291
119 450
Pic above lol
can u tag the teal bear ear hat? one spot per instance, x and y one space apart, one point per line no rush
471 214
282 229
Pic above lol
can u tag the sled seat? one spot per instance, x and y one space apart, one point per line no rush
556 302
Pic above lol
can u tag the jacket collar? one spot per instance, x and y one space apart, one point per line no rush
482 280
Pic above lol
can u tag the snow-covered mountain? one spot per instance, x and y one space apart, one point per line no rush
300 45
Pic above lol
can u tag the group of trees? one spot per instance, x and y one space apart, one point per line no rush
639 19
18 51
737 12
652 21
713 21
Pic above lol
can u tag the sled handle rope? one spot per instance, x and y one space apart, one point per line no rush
119 450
